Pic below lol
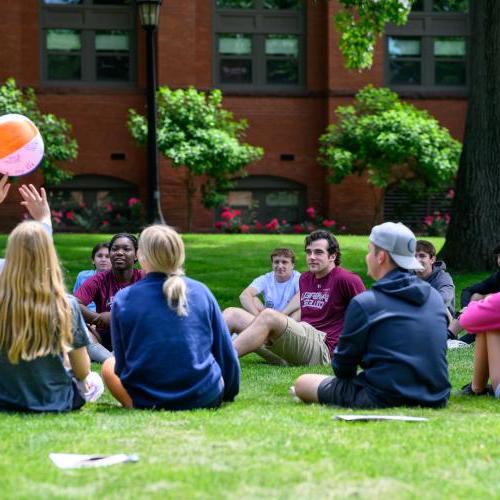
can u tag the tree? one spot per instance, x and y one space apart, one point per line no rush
473 230
196 132
55 131
394 142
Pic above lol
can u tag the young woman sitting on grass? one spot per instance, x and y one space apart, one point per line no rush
482 318
100 261
39 324
102 287
171 345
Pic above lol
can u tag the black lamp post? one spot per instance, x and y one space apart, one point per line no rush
149 12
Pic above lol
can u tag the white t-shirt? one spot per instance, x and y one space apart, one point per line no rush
276 294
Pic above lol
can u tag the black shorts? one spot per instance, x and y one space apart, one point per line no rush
346 392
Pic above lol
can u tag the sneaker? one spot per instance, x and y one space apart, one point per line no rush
467 391
456 344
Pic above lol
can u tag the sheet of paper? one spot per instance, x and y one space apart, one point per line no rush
367 418
75 461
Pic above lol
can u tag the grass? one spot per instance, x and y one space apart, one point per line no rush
262 445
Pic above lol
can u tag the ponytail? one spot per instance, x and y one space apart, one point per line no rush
175 291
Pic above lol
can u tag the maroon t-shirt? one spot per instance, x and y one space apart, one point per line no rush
323 301
102 288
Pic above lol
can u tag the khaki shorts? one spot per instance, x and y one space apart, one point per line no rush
301 344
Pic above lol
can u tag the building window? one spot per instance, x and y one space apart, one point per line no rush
88 41
259 44
263 197
431 49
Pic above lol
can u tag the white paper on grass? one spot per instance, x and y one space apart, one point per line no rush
367 418
75 461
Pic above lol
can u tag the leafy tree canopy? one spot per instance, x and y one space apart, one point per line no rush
360 22
56 132
392 140
195 131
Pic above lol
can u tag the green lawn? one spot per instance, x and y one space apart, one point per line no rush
264 444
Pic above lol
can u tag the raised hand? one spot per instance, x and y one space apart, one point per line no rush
4 187
35 202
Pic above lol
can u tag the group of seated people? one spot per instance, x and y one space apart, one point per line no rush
165 344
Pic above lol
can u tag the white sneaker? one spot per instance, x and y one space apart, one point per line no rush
456 344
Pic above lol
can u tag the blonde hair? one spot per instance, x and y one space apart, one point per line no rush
163 249
35 315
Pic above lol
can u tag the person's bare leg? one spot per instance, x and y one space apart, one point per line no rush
493 348
237 319
295 315
114 384
481 371
269 324
306 387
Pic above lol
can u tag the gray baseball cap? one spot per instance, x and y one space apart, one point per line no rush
399 241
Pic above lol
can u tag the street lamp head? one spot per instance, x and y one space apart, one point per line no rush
149 12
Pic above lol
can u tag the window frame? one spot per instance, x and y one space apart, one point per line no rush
428 25
88 19
259 22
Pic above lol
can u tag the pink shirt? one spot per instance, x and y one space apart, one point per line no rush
482 315
323 301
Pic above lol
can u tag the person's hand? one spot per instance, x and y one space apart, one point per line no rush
94 334
102 320
4 187
36 203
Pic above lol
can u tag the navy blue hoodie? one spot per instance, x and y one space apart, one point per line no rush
397 333
169 361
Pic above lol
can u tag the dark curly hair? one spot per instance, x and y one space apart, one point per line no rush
333 244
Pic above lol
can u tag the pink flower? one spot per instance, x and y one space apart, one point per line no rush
258 225
56 213
451 194
70 215
109 207
245 228
328 223
105 222
227 214
283 221
311 212
133 201
447 218
428 220
220 224
298 228
272 225
236 213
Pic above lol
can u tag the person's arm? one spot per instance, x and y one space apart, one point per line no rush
352 342
293 305
250 302
4 187
482 315
80 362
87 294
224 353
485 287
78 357
446 289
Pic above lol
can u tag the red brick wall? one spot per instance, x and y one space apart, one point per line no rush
290 124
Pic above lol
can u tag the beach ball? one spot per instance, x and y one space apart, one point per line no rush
21 145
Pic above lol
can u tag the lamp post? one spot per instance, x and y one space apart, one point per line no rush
149 12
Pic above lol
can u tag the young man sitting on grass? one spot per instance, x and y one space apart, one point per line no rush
396 332
324 294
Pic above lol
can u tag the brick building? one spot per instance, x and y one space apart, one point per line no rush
278 64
